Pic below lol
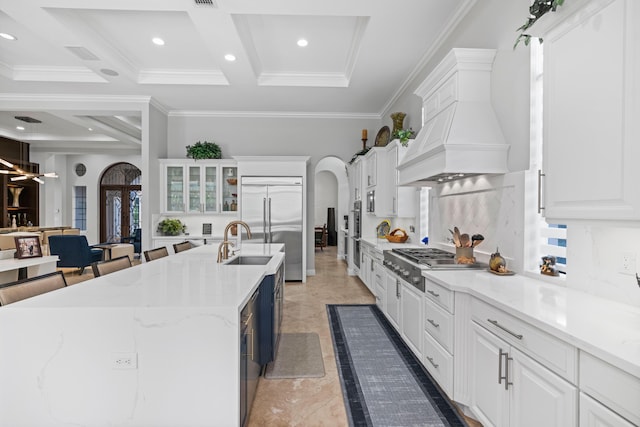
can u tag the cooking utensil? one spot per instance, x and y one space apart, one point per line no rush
476 239
465 242
456 237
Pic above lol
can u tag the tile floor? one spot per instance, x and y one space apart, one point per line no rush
312 401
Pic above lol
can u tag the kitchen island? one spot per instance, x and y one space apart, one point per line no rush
156 344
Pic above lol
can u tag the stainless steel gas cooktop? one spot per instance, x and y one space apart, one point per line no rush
434 258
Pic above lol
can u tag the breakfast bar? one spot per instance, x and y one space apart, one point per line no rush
155 344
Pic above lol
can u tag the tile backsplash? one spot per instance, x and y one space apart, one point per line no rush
491 206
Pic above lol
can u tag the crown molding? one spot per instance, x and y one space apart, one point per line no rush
275 115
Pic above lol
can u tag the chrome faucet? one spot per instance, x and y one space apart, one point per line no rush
223 248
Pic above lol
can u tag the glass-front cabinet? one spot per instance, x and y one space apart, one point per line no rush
205 186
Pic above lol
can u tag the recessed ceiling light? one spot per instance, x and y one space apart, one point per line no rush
8 36
229 57
20 127
302 42
90 129
157 41
109 72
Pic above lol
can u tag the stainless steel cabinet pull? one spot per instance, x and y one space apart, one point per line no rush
507 383
248 319
495 322
435 325
270 236
264 219
430 359
252 344
540 175
435 294
500 377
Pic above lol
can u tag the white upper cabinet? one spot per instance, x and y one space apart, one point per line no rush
391 199
205 186
355 179
591 109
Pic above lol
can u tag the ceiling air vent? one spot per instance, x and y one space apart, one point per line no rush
82 53
207 3
28 119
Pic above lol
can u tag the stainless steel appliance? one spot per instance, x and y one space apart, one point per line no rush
357 212
371 201
272 207
408 263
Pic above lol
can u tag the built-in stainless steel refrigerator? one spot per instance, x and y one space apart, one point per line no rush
272 207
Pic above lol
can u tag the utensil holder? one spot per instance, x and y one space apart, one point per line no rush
464 255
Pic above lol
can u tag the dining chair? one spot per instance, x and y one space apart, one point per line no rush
156 253
321 237
101 268
182 246
73 251
26 288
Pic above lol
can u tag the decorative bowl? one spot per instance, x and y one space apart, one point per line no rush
397 235
232 181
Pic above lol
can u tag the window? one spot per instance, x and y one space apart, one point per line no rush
424 213
80 207
541 238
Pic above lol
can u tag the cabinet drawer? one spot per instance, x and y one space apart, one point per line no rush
439 363
594 414
439 323
548 350
440 295
613 387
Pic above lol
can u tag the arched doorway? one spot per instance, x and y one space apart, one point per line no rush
339 183
120 198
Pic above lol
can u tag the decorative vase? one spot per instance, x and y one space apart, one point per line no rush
398 119
15 192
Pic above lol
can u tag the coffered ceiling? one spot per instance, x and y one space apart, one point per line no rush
360 53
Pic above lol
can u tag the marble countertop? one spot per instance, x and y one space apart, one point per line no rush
183 237
14 263
155 344
607 329
383 244
188 279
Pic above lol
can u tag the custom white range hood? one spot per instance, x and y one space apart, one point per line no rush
461 136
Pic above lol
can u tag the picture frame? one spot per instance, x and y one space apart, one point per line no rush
28 247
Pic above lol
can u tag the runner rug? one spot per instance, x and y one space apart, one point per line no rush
383 383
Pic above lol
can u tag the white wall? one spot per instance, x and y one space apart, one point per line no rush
326 189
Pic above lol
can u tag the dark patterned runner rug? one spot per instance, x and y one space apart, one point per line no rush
383 383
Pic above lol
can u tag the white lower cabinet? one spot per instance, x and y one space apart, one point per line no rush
611 387
392 299
508 388
595 414
380 285
411 318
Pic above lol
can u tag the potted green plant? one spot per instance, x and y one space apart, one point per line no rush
171 227
404 135
204 150
537 10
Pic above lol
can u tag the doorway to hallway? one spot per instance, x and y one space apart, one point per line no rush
120 200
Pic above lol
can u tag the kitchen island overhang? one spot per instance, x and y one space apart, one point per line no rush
156 344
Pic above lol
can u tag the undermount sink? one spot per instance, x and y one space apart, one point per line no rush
249 260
